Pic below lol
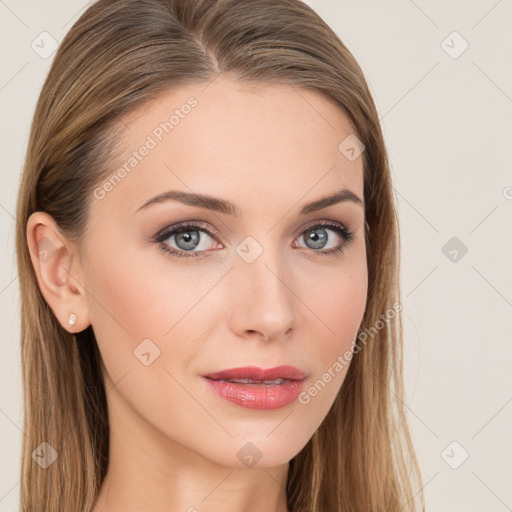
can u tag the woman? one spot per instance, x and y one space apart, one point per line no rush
208 255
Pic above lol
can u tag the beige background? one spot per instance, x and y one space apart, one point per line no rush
447 119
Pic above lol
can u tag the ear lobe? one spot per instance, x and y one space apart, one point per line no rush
57 270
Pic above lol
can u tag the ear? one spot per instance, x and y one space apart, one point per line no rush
59 272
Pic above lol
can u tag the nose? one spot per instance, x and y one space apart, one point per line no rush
263 298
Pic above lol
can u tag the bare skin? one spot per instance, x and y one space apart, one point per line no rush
270 149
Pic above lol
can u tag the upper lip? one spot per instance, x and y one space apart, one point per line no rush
260 374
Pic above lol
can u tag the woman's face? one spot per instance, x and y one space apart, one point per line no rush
249 285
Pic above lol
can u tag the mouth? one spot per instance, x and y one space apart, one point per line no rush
257 388
254 374
251 382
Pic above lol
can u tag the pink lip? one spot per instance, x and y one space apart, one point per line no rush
258 396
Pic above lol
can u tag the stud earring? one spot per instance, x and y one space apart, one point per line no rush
72 319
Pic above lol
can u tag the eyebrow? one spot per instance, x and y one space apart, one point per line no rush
226 207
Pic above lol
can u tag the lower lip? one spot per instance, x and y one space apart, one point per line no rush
258 396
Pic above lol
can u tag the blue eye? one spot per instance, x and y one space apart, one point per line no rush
188 239
317 236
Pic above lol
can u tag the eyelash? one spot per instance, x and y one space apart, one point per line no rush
159 238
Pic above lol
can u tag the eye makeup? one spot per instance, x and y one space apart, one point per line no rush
200 227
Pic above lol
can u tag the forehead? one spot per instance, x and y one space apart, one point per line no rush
233 139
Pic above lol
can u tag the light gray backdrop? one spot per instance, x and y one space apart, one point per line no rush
441 75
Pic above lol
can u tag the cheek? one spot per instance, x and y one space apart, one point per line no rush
130 293
126 306
340 303
137 296
145 337
350 302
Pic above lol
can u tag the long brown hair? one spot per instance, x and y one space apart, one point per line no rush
118 55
